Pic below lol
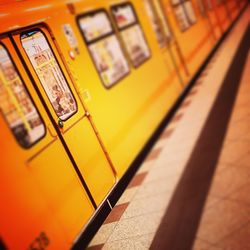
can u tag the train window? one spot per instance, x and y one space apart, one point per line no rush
155 24
184 13
190 12
131 33
180 15
104 47
49 73
16 105
162 18
158 22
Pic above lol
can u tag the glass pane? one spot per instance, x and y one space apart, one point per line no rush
124 15
160 14
190 12
16 105
155 24
135 44
49 73
109 60
95 26
181 18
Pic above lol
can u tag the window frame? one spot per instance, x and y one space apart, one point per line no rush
182 5
110 34
59 65
136 22
31 99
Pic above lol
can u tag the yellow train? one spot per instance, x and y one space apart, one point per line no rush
83 87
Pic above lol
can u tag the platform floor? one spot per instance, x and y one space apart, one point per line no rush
193 190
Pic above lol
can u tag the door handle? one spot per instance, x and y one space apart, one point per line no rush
60 123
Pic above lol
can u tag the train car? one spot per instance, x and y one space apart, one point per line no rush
84 85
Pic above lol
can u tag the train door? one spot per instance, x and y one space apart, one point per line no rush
55 88
166 40
43 204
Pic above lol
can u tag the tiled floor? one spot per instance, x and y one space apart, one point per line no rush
222 217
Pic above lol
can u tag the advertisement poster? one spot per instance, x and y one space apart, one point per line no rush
135 44
109 60
16 105
49 73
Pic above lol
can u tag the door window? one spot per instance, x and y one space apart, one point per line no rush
49 73
16 105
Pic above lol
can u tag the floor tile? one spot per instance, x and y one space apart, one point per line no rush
146 166
127 196
166 134
201 245
220 220
103 234
228 181
242 195
96 247
149 189
116 213
238 240
134 243
233 152
153 154
136 226
176 118
137 180
147 205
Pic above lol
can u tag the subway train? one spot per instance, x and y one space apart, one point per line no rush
84 85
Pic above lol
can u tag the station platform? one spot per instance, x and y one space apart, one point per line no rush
192 191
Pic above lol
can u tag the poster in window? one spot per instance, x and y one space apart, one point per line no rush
49 73
95 26
181 18
109 60
135 44
124 15
190 12
16 105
